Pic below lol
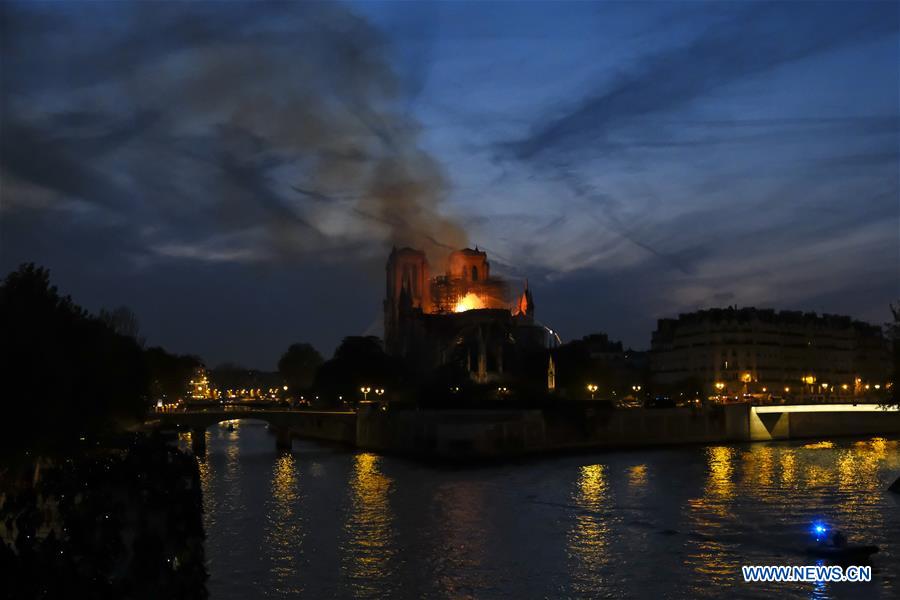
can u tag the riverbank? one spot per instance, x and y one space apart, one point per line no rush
503 433
122 520
498 434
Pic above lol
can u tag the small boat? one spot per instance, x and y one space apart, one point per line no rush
842 553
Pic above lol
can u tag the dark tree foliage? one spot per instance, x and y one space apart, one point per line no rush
298 366
575 369
66 374
169 373
358 361
123 321
893 334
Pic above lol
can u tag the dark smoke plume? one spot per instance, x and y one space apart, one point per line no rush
251 103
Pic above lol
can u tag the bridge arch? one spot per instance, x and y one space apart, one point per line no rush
333 426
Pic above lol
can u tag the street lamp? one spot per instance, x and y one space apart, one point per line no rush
365 391
592 388
379 391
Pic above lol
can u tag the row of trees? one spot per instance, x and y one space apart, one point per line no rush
69 376
893 334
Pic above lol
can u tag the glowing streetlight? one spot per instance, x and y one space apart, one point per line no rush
592 388
365 391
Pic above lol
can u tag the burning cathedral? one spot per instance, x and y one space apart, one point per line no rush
462 317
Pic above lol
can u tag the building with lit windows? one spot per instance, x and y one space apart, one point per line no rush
199 385
743 353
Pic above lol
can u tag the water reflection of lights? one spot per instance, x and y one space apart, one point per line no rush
285 530
709 515
588 538
818 476
369 529
825 445
720 461
637 475
788 462
207 476
759 464
458 533
858 469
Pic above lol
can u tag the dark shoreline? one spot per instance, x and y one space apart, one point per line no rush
121 520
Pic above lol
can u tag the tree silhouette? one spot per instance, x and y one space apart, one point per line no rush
358 361
169 373
298 366
66 374
123 321
893 333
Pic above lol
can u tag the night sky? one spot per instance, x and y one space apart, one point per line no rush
237 172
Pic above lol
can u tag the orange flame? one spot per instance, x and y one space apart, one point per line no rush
470 301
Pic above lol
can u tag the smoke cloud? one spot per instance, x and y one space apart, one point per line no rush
283 130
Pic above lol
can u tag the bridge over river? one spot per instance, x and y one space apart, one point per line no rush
329 426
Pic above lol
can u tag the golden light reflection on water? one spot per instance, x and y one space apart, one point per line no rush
285 531
705 554
637 476
588 539
817 476
759 465
369 528
207 477
858 469
825 445
837 479
788 463
719 483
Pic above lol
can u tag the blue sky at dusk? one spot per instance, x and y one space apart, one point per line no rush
237 172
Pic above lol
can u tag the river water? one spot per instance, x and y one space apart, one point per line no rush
325 522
